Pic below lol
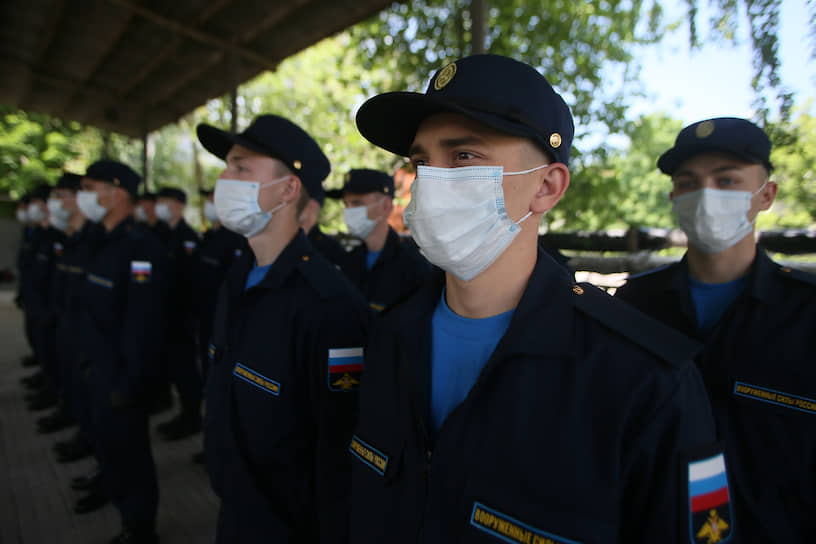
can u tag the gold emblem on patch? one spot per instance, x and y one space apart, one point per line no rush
704 129
346 382
713 528
297 165
445 76
555 140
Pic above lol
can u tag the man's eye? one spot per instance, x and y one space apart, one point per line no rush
418 162
463 156
725 182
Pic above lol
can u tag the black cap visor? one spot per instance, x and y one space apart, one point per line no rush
671 160
391 120
219 142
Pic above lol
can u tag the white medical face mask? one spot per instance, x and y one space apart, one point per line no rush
209 212
140 214
714 219
237 207
35 213
56 209
58 223
22 215
357 221
88 202
458 218
163 212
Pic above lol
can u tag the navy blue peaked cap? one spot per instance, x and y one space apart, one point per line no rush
172 192
69 180
732 135
362 181
502 93
278 138
41 192
116 173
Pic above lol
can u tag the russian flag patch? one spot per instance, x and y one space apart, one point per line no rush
140 271
709 501
345 369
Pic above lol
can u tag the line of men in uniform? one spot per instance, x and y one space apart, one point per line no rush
494 399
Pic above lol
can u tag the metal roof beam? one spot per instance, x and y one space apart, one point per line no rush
194 34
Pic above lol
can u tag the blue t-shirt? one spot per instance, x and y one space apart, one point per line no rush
256 276
460 347
371 258
712 299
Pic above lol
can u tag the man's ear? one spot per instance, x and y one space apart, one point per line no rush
292 188
552 184
767 196
388 205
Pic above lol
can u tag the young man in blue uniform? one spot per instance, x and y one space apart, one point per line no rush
383 268
123 321
180 359
66 219
36 297
327 246
287 353
503 402
755 318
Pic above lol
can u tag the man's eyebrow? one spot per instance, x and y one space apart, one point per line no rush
235 158
718 170
449 143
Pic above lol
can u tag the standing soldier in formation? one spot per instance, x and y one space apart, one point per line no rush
756 320
123 319
287 350
503 401
181 350
385 269
145 211
322 242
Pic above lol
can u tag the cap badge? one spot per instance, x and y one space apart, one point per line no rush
445 75
555 140
704 129
297 165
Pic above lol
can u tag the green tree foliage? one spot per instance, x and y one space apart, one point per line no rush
575 44
763 28
33 148
794 160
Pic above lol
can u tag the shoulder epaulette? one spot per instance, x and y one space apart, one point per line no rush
797 275
654 272
320 275
669 345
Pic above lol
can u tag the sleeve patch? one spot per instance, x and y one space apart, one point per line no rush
508 529
369 455
345 368
710 515
189 246
258 380
140 271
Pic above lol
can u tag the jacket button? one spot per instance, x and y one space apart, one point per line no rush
305 257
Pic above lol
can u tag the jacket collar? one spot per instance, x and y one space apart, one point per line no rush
542 323
286 263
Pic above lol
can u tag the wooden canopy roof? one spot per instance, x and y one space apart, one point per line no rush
133 66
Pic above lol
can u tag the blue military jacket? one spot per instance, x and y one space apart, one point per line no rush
183 300
124 309
282 399
580 428
220 248
758 368
326 246
398 272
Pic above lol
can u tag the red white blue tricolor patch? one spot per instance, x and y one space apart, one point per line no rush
140 271
709 499
345 368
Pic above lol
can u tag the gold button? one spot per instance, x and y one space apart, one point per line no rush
578 290
297 165
305 257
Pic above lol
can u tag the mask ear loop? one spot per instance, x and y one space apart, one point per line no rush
529 213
